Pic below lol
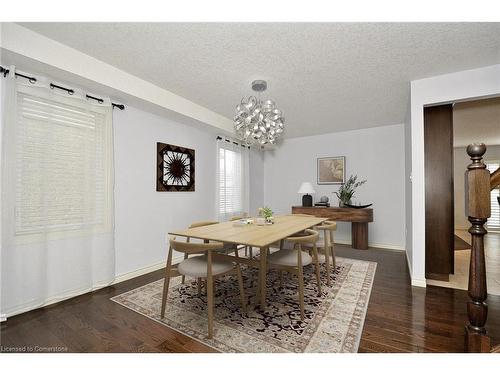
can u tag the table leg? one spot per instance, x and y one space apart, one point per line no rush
359 235
262 276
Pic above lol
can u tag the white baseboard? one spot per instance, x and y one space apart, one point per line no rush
141 271
375 244
414 282
419 282
144 270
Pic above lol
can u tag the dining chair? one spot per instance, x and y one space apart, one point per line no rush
326 247
196 224
294 260
206 265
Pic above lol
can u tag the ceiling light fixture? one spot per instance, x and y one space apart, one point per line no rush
256 121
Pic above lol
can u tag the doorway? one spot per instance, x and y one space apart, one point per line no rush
473 121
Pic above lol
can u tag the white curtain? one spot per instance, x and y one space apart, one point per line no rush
57 194
232 185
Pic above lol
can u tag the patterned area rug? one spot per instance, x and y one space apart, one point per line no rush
333 322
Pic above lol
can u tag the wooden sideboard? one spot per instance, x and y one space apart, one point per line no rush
359 217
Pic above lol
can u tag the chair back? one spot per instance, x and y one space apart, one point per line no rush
194 247
310 237
327 225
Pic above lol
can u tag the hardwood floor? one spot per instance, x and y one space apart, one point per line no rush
400 318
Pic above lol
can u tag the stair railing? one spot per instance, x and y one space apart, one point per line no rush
478 184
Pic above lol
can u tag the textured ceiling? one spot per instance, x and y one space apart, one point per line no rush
325 77
476 121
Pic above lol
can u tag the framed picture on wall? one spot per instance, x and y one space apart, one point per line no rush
331 170
174 168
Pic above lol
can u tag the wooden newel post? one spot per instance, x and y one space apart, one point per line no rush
478 210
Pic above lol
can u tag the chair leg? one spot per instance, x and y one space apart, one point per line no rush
199 284
251 252
300 275
327 263
210 296
316 266
242 289
184 277
332 246
240 283
166 283
334 263
263 276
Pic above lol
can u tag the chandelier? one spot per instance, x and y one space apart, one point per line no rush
256 121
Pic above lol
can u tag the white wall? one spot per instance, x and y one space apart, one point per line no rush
375 154
446 88
460 162
142 215
408 178
256 181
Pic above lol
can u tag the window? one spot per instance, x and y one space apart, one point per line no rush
494 220
62 164
232 181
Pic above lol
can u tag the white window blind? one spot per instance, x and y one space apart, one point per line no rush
232 180
61 163
494 220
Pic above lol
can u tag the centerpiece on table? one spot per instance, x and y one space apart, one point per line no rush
266 214
347 190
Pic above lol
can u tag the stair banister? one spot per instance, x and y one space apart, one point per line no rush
478 184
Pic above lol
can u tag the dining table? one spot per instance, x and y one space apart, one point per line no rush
259 236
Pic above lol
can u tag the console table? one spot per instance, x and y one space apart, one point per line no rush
359 217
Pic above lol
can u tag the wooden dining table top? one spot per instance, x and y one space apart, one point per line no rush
252 234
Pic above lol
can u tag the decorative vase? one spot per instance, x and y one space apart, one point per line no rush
342 204
260 221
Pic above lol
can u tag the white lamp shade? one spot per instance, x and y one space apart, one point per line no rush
306 188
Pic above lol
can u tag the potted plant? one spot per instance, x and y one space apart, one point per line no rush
267 214
347 190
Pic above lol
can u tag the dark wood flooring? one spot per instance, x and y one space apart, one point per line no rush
400 318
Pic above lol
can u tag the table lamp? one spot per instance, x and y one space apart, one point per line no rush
307 189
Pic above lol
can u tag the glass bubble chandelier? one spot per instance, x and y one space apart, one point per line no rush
258 121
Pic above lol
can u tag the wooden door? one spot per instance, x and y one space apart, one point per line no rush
439 195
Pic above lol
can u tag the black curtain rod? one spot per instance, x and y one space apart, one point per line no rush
6 71
229 141
54 86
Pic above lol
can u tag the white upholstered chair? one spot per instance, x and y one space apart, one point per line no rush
195 225
206 265
294 260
